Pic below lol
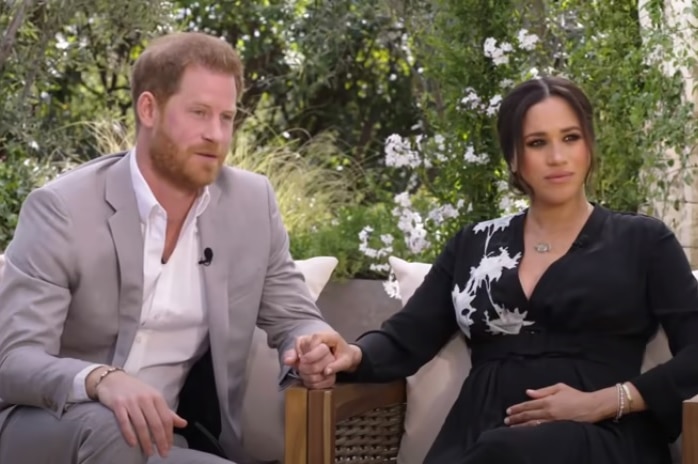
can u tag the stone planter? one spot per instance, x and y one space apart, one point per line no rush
355 306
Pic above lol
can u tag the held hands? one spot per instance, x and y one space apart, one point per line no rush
320 356
557 402
140 410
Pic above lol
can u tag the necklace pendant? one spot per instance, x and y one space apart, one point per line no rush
542 247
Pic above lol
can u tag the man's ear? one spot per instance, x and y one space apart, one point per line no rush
147 109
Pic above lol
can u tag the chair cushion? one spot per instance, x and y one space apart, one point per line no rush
263 406
428 401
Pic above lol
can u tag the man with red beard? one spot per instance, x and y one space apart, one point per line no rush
133 284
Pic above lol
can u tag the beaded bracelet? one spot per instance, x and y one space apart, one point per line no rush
626 390
621 402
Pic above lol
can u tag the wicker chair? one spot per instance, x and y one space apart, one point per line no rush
363 424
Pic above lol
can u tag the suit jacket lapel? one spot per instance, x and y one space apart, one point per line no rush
126 232
215 276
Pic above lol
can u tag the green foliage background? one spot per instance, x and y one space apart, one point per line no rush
330 80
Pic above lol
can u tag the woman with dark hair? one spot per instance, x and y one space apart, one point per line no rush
557 304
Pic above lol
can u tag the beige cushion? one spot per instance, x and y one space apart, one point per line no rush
432 391
263 406
429 401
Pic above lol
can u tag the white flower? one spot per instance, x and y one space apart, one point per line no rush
527 41
403 200
399 153
440 142
439 214
417 239
498 54
440 157
437 150
412 182
502 59
410 223
373 253
493 105
61 42
293 58
365 233
511 205
471 157
490 47
384 267
391 286
419 143
471 101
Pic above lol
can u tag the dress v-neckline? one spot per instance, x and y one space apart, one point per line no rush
580 241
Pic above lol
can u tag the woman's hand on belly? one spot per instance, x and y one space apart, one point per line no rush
562 402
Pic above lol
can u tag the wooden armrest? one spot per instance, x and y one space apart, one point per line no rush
296 425
689 432
346 422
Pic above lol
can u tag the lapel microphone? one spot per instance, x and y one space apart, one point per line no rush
208 257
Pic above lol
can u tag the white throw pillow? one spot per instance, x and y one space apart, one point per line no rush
263 405
432 391
317 272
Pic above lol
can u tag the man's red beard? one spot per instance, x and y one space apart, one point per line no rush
178 165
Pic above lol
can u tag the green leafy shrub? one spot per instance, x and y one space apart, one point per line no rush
473 52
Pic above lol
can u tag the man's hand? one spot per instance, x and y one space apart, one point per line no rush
557 402
141 411
311 361
319 357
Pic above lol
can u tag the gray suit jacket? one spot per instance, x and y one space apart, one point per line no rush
72 288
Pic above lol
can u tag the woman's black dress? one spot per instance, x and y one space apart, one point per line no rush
586 324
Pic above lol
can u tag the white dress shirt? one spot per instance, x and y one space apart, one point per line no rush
173 332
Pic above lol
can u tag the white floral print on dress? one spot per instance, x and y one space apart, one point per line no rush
502 320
